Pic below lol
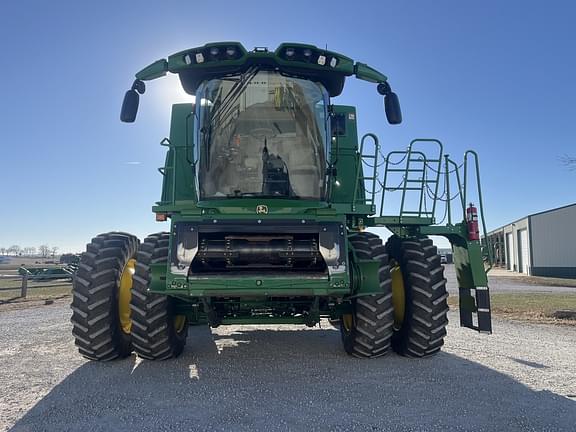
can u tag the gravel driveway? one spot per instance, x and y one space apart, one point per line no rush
287 378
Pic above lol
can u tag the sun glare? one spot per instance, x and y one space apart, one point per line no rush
170 91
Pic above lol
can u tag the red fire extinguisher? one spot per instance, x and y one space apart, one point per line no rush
472 222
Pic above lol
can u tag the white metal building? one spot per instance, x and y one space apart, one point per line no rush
541 244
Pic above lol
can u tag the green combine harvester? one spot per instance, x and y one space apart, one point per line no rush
270 193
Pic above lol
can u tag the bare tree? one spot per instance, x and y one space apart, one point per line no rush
3 250
14 250
54 250
44 250
29 250
569 162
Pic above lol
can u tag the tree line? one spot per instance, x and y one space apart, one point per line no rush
43 251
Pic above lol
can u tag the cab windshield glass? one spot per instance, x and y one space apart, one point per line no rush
262 134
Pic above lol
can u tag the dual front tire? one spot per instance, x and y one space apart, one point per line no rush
409 312
113 312
158 332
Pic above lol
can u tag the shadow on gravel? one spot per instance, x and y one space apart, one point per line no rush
293 380
529 363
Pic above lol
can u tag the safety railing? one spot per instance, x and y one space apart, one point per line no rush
367 162
424 171
179 148
169 167
418 175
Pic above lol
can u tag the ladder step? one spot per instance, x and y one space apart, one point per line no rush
405 170
421 181
403 188
424 160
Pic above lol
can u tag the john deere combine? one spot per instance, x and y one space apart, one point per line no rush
270 193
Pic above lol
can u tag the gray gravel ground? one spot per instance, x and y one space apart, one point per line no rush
287 378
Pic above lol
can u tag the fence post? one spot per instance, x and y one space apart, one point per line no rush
24 285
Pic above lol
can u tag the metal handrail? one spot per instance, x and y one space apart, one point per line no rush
359 162
480 201
409 155
440 153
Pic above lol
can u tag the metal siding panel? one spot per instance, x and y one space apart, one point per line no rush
554 238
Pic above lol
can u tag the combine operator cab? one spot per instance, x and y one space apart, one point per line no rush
262 135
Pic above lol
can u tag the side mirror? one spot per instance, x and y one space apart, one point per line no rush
391 103
130 106
131 101
392 108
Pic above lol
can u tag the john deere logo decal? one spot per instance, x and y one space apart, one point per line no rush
262 209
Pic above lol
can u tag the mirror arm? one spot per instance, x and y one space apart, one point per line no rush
139 86
155 70
367 73
384 88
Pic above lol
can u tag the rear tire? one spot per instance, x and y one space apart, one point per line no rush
423 329
155 335
96 324
368 331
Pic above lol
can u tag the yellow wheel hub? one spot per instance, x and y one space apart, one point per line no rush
398 296
125 295
179 323
347 321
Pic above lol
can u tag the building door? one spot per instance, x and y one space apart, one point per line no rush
509 252
523 251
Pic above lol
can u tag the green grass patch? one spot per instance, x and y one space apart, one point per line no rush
38 293
10 283
530 306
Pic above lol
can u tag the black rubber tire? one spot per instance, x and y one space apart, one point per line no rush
154 336
96 323
373 315
424 328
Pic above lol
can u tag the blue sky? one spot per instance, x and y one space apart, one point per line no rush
495 76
